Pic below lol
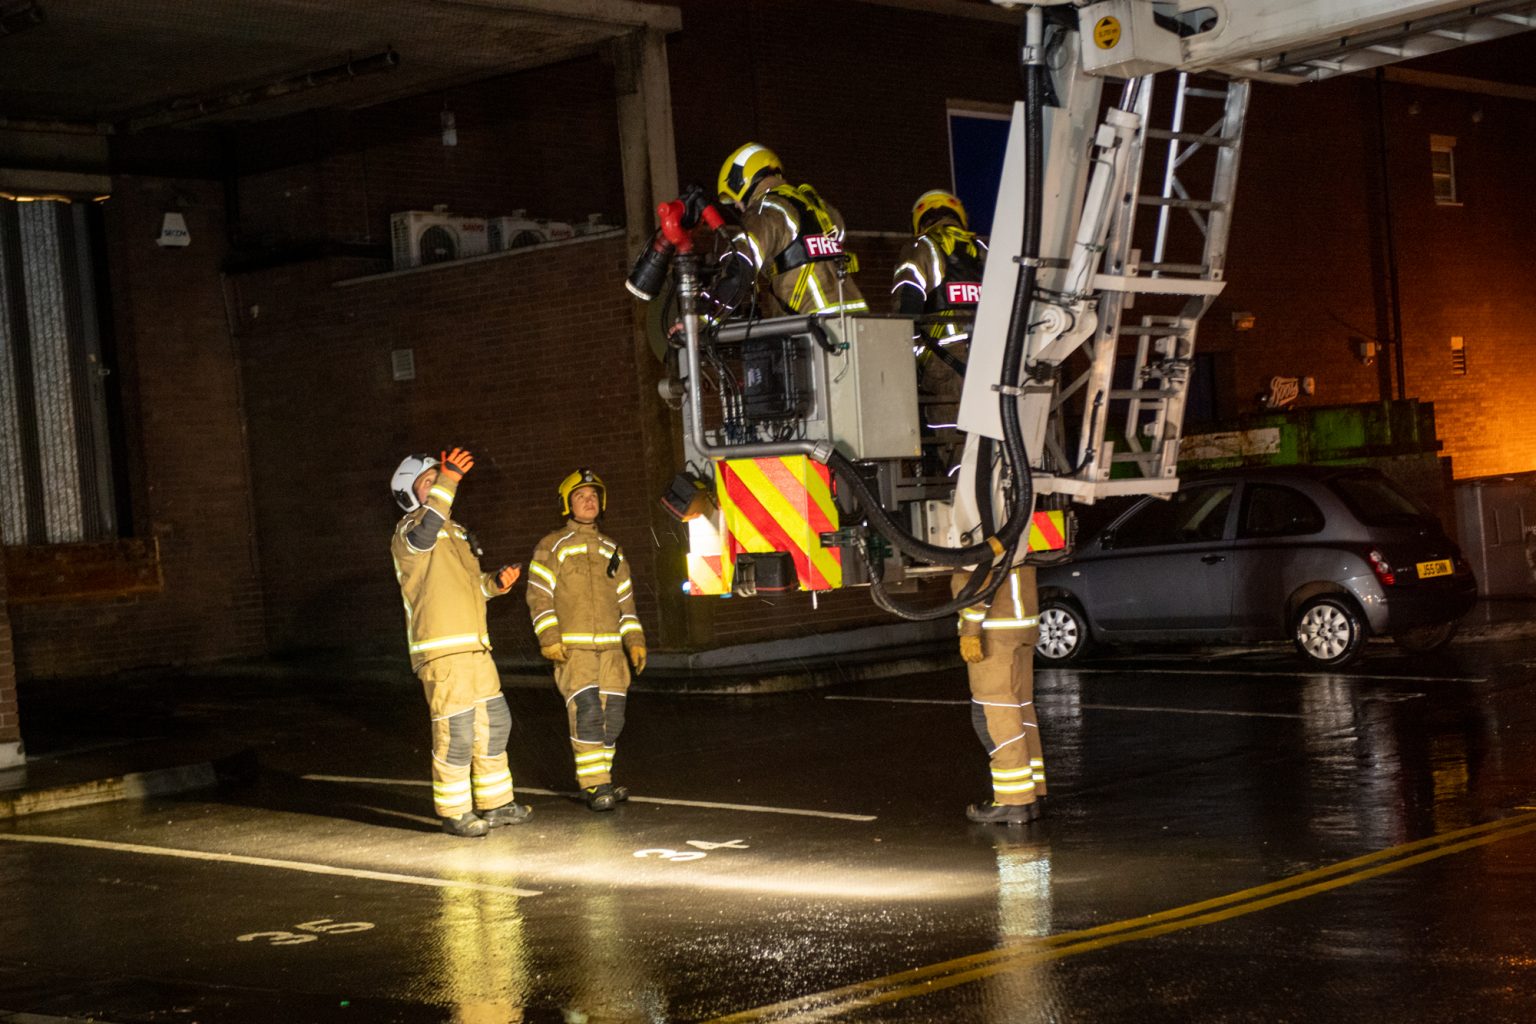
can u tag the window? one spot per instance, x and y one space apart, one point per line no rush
1191 516
1442 169
1377 501
1273 511
977 141
55 450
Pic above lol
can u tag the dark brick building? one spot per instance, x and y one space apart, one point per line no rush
255 409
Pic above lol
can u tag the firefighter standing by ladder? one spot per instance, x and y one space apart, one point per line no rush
997 642
438 567
787 234
582 601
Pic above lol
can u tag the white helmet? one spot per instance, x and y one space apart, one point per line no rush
403 483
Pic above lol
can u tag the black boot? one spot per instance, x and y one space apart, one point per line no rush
600 798
507 814
620 793
468 825
990 812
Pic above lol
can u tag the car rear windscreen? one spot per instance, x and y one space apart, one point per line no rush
1377 501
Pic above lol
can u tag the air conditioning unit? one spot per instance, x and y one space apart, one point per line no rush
518 230
422 237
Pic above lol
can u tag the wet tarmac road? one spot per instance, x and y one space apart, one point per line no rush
1230 839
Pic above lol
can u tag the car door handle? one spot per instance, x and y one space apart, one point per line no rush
1212 559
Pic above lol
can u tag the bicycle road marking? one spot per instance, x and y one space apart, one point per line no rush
268 862
670 801
935 977
1085 707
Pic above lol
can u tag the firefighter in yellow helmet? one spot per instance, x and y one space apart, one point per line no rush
786 234
437 563
582 601
938 277
997 643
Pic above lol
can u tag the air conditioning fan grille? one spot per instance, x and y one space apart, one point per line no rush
438 245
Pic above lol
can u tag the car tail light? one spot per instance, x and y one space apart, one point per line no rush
1380 567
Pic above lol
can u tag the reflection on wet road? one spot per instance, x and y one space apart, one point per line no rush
1225 841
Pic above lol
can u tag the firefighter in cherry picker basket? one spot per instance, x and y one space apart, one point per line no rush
786 234
938 278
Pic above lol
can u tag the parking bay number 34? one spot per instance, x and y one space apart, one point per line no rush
699 851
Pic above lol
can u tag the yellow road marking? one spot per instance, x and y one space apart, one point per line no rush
948 974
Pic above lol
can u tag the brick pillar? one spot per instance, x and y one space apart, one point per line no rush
10 720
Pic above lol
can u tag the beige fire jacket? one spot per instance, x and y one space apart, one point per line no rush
1015 606
781 225
440 580
580 592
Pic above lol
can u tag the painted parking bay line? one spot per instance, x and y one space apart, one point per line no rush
307 867
948 974
572 794
1347 676
1084 707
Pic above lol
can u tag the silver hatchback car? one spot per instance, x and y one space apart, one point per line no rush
1324 556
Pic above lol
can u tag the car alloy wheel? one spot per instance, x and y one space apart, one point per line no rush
1063 632
1329 632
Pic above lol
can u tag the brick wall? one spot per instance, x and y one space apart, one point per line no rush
186 451
338 175
1309 257
533 357
1466 272
852 96
528 359
10 724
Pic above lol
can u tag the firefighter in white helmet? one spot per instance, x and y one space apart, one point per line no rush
938 278
787 234
437 565
997 643
582 600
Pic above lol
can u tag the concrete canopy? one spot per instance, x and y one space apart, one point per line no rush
127 65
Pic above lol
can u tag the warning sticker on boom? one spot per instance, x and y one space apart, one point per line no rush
1106 33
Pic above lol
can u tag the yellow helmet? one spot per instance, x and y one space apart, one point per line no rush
935 200
582 477
744 168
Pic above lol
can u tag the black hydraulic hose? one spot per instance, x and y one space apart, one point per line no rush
998 550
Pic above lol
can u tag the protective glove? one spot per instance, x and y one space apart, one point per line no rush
506 576
456 463
970 649
555 652
637 658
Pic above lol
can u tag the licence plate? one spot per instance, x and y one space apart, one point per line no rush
1440 567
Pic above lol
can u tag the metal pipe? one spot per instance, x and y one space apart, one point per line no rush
688 296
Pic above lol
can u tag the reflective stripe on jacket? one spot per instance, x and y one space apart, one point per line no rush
441 584
772 225
580 592
1015 606
944 266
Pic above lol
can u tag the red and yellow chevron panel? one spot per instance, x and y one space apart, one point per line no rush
1048 531
779 504
704 578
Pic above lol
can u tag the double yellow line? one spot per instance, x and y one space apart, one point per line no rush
940 976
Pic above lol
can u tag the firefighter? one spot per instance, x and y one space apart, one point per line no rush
438 567
997 642
582 601
786 234
938 277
